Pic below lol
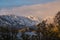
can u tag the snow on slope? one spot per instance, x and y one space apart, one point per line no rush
16 21
35 19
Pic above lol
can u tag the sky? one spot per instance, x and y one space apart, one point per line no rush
40 8
12 3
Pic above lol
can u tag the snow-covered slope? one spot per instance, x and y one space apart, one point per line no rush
35 19
17 21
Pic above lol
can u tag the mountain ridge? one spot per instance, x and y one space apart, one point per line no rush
17 21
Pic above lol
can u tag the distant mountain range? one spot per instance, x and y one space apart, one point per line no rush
22 21
18 21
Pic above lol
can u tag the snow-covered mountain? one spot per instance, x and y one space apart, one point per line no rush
17 21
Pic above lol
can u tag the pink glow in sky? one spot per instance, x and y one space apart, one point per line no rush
43 10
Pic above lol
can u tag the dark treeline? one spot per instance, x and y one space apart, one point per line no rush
44 31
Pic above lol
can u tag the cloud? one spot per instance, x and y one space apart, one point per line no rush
43 10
